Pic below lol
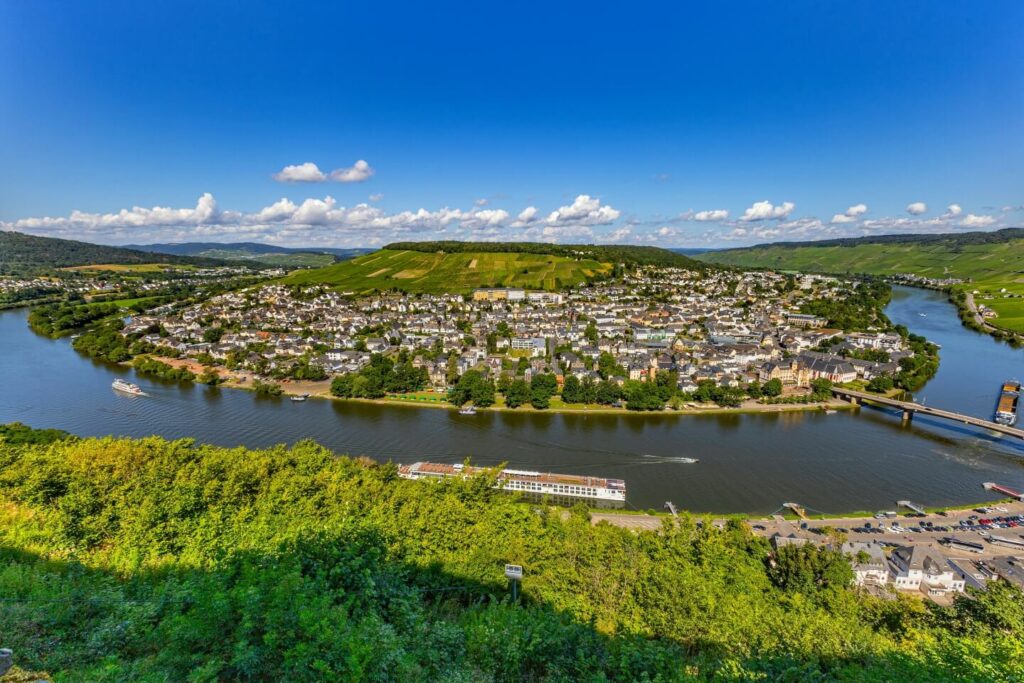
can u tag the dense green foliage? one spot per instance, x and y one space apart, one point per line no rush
266 388
151 366
605 253
59 319
18 434
861 309
22 254
472 387
152 560
382 376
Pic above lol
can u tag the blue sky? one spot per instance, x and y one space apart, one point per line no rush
677 124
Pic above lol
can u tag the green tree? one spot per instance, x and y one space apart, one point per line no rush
518 393
772 387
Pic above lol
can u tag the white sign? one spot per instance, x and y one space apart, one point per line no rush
514 571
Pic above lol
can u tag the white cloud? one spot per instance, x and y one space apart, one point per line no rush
356 173
311 173
851 214
618 235
300 173
585 210
665 231
916 208
480 202
760 211
712 215
376 197
972 221
954 209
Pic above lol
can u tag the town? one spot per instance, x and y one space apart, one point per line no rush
741 336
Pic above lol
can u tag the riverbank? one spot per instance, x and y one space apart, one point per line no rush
242 379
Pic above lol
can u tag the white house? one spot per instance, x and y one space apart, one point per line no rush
924 569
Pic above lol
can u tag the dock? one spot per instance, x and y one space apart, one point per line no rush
1005 490
919 509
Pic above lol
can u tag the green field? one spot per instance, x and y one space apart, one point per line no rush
435 273
990 268
131 267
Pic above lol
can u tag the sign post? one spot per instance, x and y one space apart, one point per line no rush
514 573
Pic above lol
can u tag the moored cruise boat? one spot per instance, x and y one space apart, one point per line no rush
127 387
574 486
1008 403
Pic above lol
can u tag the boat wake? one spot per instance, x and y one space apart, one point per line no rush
655 459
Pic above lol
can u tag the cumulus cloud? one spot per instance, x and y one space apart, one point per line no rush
711 215
356 173
311 173
916 208
954 210
851 214
300 173
764 210
585 210
376 197
972 221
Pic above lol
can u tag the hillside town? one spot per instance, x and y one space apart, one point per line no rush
730 328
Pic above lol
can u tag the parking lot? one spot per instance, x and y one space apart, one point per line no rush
972 526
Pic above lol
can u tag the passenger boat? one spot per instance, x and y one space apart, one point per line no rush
300 398
1009 401
468 410
537 483
127 387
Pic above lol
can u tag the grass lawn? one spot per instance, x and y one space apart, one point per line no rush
459 273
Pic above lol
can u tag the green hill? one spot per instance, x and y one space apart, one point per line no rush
435 272
605 253
992 262
22 254
154 560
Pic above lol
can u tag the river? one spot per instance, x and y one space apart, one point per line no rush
852 460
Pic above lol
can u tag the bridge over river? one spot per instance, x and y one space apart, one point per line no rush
909 408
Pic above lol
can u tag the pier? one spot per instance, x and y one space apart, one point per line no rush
910 409
1005 490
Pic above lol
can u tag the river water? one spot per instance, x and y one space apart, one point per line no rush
852 460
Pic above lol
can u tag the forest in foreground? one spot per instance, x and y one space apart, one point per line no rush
156 560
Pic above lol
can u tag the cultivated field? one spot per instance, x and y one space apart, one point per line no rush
132 267
434 273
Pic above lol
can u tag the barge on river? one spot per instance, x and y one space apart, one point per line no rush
1009 401
597 490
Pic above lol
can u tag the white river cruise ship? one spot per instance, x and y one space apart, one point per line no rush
535 483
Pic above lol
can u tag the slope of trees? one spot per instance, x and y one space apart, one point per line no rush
167 560
22 254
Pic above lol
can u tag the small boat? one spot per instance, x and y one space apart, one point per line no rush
923 315
829 411
300 398
468 410
688 461
127 387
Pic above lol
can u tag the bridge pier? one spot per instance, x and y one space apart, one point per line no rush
853 399
908 415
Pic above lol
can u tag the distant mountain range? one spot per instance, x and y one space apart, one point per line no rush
198 249
264 254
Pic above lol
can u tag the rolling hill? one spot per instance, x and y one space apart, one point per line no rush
435 272
265 254
992 262
22 254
